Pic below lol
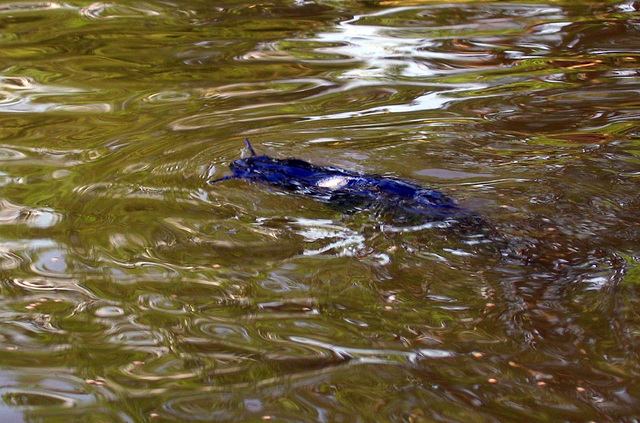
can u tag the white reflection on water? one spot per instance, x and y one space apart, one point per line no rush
28 6
381 356
12 214
384 54
327 236
430 101
19 94
345 240
99 10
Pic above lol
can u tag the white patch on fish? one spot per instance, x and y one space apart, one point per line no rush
333 182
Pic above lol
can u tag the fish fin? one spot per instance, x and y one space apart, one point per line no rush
253 153
224 178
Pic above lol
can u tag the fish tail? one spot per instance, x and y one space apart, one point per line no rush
253 153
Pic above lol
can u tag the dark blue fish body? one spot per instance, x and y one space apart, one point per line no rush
346 188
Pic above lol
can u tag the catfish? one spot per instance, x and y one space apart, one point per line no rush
347 189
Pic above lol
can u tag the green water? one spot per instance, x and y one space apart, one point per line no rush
133 291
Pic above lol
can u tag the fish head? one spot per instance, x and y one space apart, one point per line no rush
259 168
246 167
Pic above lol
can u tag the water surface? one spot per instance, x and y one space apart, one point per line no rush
131 290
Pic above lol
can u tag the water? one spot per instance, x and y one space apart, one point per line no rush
132 291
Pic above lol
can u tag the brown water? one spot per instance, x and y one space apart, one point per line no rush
132 291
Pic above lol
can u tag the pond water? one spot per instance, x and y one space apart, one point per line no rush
132 290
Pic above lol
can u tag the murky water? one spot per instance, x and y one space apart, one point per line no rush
131 290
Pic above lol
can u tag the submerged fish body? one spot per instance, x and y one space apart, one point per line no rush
344 187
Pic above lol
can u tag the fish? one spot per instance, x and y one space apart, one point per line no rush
347 189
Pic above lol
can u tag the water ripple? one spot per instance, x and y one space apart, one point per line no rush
377 355
98 11
28 6
11 154
12 214
25 95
